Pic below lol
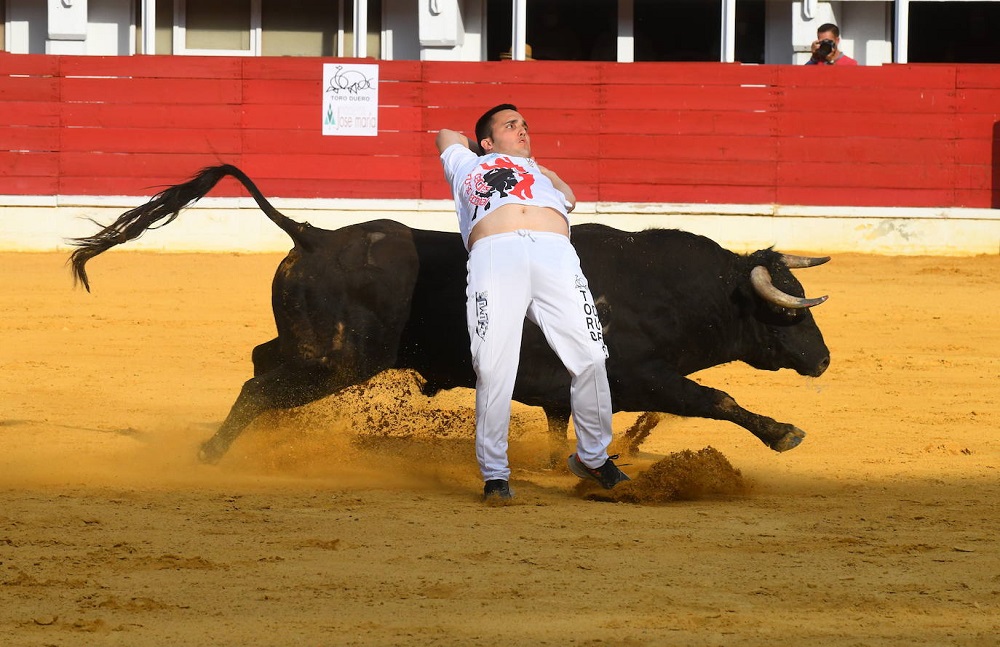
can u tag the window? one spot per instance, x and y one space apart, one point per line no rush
557 30
954 32
680 30
751 23
661 30
299 27
219 28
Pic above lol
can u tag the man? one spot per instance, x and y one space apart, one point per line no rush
514 217
826 47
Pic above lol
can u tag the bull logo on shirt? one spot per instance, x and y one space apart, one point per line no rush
502 178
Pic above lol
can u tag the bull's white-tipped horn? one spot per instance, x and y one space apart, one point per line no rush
794 262
760 278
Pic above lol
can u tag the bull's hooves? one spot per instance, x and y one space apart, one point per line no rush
209 457
791 440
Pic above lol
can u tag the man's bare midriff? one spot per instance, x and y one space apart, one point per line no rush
512 217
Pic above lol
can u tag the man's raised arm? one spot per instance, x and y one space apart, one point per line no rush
446 138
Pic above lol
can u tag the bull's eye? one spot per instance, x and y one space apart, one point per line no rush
783 316
791 315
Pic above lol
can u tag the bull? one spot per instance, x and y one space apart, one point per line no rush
352 302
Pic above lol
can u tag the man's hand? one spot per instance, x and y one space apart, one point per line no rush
560 186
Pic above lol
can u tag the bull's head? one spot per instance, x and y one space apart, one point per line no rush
793 340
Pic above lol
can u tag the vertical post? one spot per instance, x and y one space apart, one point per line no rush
728 53
361 28
901 37
340 28
519 30
148 26
256 33
179 32
626 31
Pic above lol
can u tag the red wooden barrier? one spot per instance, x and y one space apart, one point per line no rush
899 135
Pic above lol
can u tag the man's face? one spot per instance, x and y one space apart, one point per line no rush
509 135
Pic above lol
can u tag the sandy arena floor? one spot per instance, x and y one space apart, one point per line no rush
883 528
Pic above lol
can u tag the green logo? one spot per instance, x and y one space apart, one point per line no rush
329 120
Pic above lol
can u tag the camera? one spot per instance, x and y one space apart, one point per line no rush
825 47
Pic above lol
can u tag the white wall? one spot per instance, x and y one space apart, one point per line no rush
778 48
804 27
110 28
869 25
401 41
399 34
236 224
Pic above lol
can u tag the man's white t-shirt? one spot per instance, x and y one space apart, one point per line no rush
482 184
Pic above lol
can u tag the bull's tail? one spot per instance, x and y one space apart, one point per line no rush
163 208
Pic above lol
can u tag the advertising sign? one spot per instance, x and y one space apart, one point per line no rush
350 99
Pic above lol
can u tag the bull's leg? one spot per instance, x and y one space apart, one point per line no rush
558 420
288 385
266 357
683 397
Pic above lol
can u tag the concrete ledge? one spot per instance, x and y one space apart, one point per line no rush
46 223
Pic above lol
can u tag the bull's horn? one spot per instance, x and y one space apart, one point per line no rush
794 262
761 280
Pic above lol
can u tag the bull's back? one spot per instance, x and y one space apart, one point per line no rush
628 271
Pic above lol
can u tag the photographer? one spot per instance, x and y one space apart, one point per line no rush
826 47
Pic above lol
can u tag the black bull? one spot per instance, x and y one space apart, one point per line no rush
355 301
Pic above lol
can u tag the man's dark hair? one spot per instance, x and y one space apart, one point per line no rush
484 127
829 27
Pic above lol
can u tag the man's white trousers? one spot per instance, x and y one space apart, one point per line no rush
538 275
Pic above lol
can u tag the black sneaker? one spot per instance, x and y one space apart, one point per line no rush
497 488
608 475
